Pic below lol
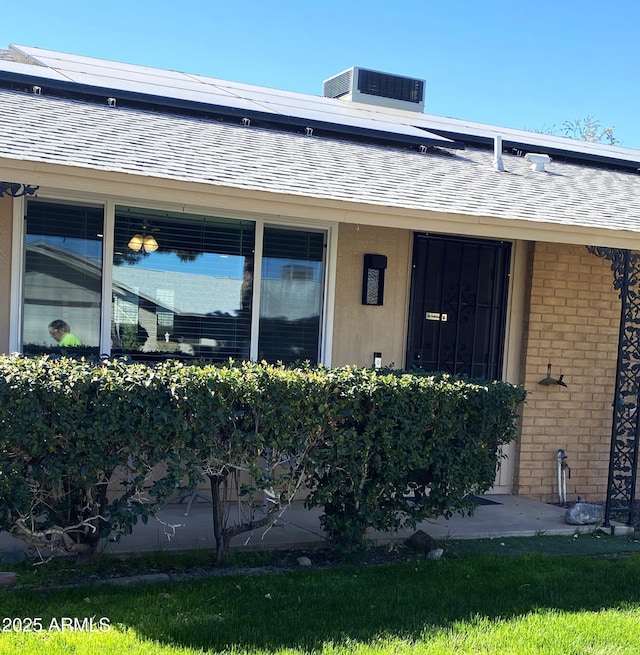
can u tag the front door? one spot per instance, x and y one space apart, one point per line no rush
458 305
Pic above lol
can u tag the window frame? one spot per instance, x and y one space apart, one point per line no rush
108 205
323 283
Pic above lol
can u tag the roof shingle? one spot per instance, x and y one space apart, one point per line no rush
77 133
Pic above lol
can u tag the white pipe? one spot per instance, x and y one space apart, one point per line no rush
561 456
498 164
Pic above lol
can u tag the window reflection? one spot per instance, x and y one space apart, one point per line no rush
291 295
63 277
190 297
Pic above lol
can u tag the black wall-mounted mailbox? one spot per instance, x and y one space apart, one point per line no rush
373 279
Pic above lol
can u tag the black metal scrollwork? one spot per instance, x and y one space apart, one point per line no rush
15 189
623 459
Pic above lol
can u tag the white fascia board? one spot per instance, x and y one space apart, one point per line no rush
86 183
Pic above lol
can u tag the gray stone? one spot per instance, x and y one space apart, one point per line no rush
421 542
584 514
13 556
436 553
304 561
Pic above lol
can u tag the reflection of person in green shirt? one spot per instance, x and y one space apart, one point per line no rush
61 332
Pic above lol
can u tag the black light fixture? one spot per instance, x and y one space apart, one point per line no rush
373 279
16 190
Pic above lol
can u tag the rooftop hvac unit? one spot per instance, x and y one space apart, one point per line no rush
375 88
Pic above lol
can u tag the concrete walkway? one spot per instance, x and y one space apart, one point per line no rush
496 516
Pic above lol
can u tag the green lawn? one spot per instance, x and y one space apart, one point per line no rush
468 604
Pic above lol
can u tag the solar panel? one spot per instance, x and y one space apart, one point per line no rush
481 132
322 115
195 94
63 60
204 90
28 69
136 79
533 138
179 80
289 106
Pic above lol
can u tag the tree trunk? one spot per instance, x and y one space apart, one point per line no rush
224 534
217 502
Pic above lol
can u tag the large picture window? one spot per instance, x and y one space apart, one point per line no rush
62 277
182 285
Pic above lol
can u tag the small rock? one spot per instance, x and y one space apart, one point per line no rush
304 561
12 557
421 542
584 514
436 553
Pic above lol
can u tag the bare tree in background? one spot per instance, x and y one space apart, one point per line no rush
589 129
584 129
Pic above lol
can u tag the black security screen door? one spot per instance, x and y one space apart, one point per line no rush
458 305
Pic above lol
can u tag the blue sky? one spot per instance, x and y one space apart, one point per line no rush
528 64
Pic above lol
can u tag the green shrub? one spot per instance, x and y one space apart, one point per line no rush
374 449
405 447
251 427
67 428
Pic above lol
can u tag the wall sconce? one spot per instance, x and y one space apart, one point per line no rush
373 279
143 242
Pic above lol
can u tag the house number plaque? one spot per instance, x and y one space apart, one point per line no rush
435 316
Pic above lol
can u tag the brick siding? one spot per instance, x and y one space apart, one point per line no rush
571 321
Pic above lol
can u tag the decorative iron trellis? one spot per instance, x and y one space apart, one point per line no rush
623 458
16 189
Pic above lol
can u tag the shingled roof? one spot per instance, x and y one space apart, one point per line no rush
72 132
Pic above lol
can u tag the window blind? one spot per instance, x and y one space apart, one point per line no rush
63 273
182 285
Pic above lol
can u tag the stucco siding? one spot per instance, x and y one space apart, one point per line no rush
360 330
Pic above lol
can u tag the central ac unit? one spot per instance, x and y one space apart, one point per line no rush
376 88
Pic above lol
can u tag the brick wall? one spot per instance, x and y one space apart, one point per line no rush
571 320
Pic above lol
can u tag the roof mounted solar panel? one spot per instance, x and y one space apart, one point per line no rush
18 70
395 120
171 89
376 88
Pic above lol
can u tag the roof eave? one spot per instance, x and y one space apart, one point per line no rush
62 181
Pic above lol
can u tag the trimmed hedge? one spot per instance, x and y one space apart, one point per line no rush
66 429
357 439
436 437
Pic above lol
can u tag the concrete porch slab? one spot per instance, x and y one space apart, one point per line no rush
502 516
